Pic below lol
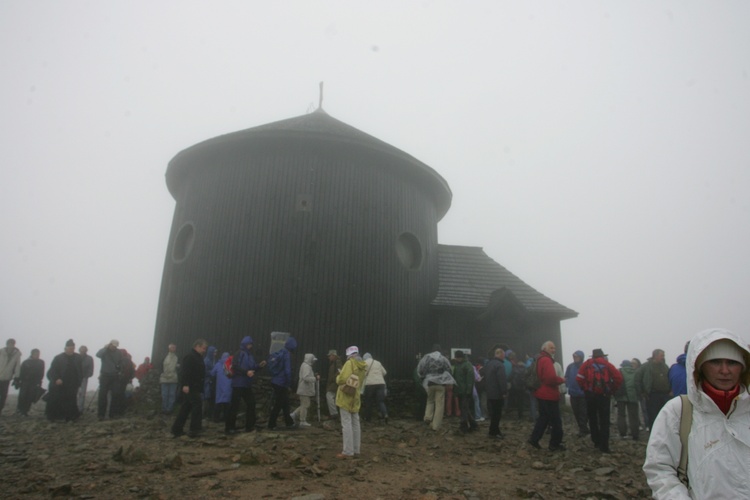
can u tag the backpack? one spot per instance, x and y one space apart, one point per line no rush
601 380
531 379
229 367
518 377
276 363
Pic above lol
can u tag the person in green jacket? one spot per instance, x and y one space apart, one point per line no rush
463 372
352 374
627 402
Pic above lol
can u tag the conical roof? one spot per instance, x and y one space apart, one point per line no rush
320 128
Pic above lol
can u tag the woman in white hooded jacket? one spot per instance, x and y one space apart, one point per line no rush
305 389
718 374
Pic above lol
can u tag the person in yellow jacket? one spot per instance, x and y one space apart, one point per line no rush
352 374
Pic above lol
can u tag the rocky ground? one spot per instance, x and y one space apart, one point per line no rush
136 457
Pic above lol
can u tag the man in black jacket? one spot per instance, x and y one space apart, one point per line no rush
192 377
496 388
32 373
64 375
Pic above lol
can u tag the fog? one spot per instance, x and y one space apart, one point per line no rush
598 150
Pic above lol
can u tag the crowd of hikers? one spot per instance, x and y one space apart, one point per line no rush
696 412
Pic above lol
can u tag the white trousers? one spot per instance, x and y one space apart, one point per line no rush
351 431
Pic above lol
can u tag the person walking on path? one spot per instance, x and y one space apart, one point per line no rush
599 380
548 400
192 377
305 389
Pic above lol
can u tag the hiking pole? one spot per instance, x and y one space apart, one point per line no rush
317 392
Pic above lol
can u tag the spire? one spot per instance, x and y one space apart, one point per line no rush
320 102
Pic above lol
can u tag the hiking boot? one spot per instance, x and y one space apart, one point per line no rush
304 424
535 444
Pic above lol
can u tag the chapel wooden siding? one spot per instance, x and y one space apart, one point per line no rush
307 226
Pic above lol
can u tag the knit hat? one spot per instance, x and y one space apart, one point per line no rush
351 351
721 349
626 363
333 352
459 354
70 343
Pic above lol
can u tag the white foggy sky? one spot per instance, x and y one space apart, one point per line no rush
598 150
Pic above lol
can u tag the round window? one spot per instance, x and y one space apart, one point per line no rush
183 243
409 251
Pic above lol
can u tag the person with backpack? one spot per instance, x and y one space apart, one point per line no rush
599 380
517 393
349 401
547 396
716 442
627 402
243 368
280 368
577 397
677 374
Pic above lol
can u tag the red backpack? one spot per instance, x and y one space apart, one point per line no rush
599 380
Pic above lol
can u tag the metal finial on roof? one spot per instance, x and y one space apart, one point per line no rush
320 103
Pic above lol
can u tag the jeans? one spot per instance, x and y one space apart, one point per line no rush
375 394
549 414
331 400
168 396
351 432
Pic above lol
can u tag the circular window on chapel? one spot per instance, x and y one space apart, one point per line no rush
409 251
183 243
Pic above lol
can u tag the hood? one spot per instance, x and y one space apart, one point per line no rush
310 358
697 346
580 355
290 344
245 340
367 356
224 356
681 359
210 352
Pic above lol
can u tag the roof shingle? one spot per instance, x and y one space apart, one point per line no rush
468 276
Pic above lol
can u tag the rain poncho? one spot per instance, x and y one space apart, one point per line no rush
223 383
435 368
306 382
718 444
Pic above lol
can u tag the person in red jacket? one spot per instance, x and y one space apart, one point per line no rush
599 380
548 399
